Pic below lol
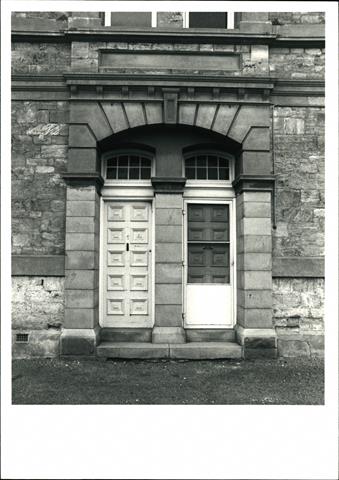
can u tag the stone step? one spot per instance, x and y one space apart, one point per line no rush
135 335
210 335
187 351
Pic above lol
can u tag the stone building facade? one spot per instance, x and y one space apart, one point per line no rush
167 184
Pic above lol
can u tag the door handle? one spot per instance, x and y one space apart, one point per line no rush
127 247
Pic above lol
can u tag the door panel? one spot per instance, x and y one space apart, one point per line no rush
209 299
127 265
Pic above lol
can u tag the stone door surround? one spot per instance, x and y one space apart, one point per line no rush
247 127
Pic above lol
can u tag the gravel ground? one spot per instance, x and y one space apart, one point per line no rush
59 381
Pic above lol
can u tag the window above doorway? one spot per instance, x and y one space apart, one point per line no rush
208 167
158 19
127 166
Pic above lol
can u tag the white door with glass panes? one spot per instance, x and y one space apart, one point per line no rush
209 270
127 264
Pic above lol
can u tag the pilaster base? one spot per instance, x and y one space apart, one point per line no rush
79 341
168 335
257 342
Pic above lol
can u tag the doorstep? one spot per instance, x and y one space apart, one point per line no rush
187 351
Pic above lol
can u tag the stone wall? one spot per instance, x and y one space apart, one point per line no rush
299 167
170 19
296 18
39 151
298 315
40 57
37 309
297 63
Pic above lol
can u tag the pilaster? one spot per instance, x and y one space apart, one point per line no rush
81 270
255 330
168 325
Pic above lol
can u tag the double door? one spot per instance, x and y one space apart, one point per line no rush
208 284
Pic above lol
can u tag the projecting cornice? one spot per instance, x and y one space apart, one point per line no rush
123 84
313 38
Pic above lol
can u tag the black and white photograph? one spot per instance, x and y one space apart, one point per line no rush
167 228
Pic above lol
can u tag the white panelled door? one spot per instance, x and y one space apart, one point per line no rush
127 265
209 270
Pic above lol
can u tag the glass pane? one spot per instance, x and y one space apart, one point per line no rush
208 223
112 173
122 173
212 161
123 161
201 160
207 20
134 174
212 174
145 162
223 162
134 161
201 173
190 162
208 263
112 162
223 174
190 173
145 173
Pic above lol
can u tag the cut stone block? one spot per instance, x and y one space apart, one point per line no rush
255 226
82 225
255 298
254 317
168 315
167 294
254 261
81 317
168 335
206 350
168 252
81 193
168 273
80 208
81 279
132 350
168 216
80 260
168 234
81 241
79 341
81 298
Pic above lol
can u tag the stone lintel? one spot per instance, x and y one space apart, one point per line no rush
84 180
168 184
254 183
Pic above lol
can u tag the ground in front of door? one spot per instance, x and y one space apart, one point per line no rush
58 381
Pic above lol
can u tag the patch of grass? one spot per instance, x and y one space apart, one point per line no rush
269 382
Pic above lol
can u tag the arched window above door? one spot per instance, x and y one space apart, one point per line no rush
208 165
128 164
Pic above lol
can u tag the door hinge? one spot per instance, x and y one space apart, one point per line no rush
183 212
